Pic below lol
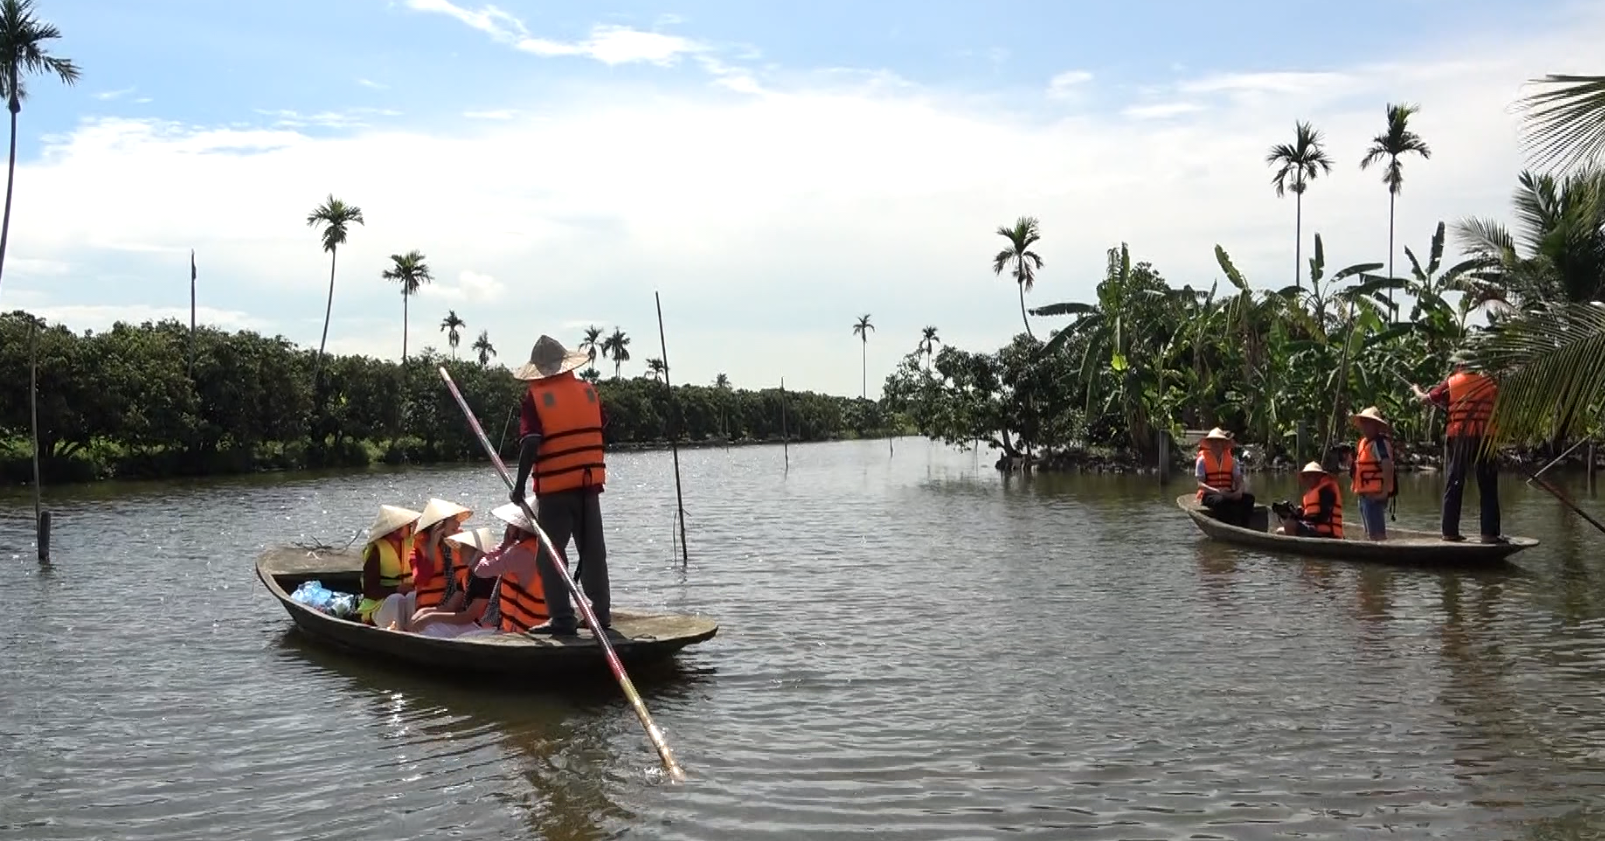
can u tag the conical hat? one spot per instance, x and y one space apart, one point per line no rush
1313 467
514 515
391 517
482 539
548 359
441 509
1371 413
1218 434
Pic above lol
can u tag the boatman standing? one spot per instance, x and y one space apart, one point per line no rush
1467 397
560 454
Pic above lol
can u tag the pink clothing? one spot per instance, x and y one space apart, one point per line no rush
509 557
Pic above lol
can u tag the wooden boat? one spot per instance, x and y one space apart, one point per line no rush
641 637
1403 546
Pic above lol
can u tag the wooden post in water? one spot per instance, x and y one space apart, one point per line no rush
1591 467
785 434
41 519
674 447
1164 457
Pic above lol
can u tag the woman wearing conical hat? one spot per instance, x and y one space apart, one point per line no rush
470 611
435 575
387 597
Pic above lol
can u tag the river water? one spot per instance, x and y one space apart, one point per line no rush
911 646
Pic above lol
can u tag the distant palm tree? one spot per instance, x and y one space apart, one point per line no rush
592 343
1021 237
22 52
411 272
484 348
1565 124
1391 144
927 345
617 348
721 381
1298 164
656 368
451 324
862 329
335 217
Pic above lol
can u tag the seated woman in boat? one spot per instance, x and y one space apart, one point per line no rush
435 575
1221 487
469 611
520 599
1321 512
387 595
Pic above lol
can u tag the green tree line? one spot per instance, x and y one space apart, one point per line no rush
130 403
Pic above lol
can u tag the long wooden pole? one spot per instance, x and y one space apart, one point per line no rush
41 538
785 434
652 731
674 432
191 310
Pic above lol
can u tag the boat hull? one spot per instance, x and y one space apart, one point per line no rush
1406 547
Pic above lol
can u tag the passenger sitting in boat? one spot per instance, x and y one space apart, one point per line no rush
466 612
521 599
435 575
1321 513
1220 480
387 595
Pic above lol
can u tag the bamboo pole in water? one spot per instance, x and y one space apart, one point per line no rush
674 434
785 434
41 521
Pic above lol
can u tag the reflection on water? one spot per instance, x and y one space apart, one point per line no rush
911 646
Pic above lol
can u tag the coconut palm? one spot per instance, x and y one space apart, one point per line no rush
862 329
1565 123
1551 366
335 217
451 324
1397 141
722 381
617 348
656 368
1561 229
1025 262
411 272
927 345
592 343
22 53
484 348
1298 163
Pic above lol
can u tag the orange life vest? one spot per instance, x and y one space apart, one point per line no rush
1368 477
440 571
1216 475
1312 504
1471 404
570 453
521 604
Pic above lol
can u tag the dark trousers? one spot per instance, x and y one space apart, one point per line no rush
1232 511
575 514
1465 455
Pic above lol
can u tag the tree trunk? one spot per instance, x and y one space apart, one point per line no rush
1023 313
328 311
1393 316
1298 240
404 327
11 177
863 369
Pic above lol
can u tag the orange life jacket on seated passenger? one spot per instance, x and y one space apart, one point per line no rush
432 591
1368 478
522 604
1471 404
1216 474
570 453
1312 504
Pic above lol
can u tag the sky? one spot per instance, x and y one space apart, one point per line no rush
772 170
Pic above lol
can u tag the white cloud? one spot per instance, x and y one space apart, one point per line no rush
501 114
1161 110
110 95
1067 83
610 44
369 83
768 221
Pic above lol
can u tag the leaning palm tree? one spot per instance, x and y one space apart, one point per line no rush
927 346
452 325
1391 144
1565 123
484 348
411 272
22 53
861 329
1298 163
335 217
617 348
1021 237
591 343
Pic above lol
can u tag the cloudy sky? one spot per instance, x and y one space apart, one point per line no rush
775 169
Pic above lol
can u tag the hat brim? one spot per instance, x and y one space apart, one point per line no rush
482 539
571 361
1379 421
440 510
513 515
392 517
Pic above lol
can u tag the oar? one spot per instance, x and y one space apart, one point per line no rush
652 731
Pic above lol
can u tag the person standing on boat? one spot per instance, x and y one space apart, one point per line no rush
1374 479
1467 397
1221 487
387 594
1320 514
560 433
436 576
521 594
469 611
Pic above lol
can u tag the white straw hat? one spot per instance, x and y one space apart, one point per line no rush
1218 434
512 514
482 539
548 359
1313 467
441 509
1371 413
391 517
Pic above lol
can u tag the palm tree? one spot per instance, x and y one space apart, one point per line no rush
335 217
862 329
1021 237
617 348
451 324
1391 144
592 343
1551 367
721 381
1560 226
484 348
927 345
411 272
1298 164
22 52
1565 124
656 368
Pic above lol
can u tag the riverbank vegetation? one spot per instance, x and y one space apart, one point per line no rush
129 403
